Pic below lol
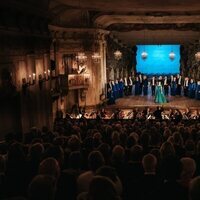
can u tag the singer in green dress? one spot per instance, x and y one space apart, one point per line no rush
159 94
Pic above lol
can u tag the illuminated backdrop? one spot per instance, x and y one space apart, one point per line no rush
158 61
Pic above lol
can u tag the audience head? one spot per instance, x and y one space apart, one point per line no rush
167 149
36 150
42 187
136 153
194 190
74 143
75 160
95 160
102 188
149 163
118 153
50 167
188 168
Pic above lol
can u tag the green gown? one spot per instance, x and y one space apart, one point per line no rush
159 95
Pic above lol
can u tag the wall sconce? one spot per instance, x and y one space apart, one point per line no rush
28 82
44 78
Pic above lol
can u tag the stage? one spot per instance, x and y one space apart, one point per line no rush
179 102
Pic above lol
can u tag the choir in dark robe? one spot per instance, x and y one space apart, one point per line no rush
121 88
114 89
192 89
125 86
173 86
153 85
140 81
110 95
198 90
166 86
130 85
117 89
137 86
145 86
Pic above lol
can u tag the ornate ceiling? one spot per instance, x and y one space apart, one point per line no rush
132 21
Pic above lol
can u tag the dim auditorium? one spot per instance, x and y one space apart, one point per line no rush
99 100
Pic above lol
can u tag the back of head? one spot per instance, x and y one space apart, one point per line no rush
149 163
102 188
194 190
95 160
136 153
118 153
75 160
36 150
108 172
42 187
178 140
50 167
188 168
74 143
167 149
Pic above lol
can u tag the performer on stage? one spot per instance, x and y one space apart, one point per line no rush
159 94
117 88
140 80
198 90
179 84
114 89
153 85
125 86
110 96
185 85
166 86
192 89
160 79
173 87
121 88
130 85
145 86
137 86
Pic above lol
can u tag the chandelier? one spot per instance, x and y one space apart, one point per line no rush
144 55
172 55
81 58
197 56
118 55
96 57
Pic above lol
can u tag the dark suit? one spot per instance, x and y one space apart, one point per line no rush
166 86
153 86
179 85
186 84
145 87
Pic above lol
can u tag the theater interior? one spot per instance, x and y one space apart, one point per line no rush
57 56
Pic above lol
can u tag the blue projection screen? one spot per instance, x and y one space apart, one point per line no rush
158 61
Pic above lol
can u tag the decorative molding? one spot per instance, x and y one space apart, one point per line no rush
105 21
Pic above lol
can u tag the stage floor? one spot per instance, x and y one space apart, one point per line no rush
179 102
